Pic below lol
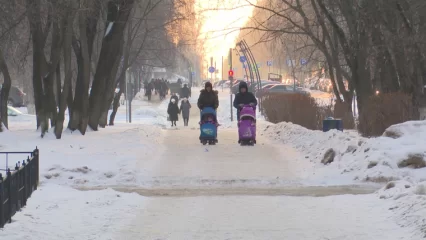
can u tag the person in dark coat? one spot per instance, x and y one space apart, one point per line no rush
208 97
173 111
185 107
185 91
148 90
243 97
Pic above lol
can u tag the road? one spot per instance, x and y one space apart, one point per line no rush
232 192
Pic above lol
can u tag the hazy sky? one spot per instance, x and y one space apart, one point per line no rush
221 26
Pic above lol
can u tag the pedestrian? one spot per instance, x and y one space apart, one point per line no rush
185 91
149 90
185 107
208 97
173 111
243 97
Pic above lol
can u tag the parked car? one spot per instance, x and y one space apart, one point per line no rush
16 97
279 88
264 89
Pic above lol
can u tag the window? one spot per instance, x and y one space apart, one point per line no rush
279 87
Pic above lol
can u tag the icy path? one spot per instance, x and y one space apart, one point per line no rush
273 218
189 165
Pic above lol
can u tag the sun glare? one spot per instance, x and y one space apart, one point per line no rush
221 20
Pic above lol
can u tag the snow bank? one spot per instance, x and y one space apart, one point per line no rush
395 159
374 160
109 156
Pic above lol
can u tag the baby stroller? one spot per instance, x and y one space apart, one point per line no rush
247 126
208 126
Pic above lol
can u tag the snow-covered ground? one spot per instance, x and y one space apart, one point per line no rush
149 155
397 160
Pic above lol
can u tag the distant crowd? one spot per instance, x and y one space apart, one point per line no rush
158 86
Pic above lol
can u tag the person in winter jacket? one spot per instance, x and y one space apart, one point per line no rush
173 111
148 90
185 91
243 97
208 97
185 107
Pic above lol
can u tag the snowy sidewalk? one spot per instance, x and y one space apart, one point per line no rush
189 188
255 218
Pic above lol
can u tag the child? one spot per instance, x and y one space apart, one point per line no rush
185 107
173 111
210 119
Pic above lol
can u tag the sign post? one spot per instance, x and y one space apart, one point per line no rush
231 79
269 63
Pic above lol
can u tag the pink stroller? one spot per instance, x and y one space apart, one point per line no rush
247 126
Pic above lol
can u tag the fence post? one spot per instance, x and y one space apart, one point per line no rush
9 191
24 183
36 159
1 202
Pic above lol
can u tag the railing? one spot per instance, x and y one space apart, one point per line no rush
18 184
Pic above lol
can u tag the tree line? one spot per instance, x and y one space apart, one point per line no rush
376 46
80 50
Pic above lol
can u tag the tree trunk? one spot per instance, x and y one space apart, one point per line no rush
107 59
64 94
38 39
83 50
4 93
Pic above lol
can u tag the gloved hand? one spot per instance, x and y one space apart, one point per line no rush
241 105
252 104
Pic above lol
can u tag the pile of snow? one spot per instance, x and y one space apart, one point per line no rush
110 156
140 96
379 159
396 159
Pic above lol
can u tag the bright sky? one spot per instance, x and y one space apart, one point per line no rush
221 26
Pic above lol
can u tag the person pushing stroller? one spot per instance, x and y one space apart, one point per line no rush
208 98
244 97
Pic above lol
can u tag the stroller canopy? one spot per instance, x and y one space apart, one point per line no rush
248 112
208 111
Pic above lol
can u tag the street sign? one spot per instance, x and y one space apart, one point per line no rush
212 69
269 63
303 61
230 73
243 59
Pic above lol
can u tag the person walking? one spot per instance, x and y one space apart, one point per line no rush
173 111
185 107
185 91
243 97
208 97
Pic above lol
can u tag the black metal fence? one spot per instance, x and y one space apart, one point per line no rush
18 184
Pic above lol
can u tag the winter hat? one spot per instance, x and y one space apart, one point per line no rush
208 84
243 85
185 99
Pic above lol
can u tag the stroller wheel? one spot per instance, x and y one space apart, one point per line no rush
204 142
212 142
